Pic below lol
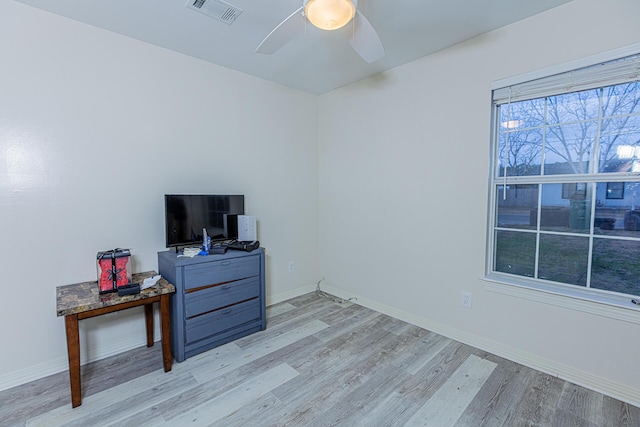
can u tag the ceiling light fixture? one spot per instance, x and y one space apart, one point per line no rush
329 14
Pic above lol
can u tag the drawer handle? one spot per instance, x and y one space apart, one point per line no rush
226 287
226 311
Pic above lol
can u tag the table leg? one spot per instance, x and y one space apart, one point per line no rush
73 350
166 332
148 314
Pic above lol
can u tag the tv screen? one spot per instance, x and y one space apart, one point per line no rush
187 214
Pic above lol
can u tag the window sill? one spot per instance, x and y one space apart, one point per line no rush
612 306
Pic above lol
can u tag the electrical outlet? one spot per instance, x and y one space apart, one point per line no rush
292 267
466 299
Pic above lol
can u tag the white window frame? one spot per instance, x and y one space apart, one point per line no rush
567 296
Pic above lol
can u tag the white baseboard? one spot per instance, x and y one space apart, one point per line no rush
607 387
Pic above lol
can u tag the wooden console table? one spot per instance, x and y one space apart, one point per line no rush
83 300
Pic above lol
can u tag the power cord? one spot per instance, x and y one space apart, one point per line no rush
321 293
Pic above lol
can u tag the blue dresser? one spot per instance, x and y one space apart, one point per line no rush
218 299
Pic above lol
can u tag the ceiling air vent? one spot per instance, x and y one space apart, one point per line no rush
216 9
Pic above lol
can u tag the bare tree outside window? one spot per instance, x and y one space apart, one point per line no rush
566 130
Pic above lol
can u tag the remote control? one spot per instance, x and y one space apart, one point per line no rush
130 289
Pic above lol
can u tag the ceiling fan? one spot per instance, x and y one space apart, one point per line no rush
327 15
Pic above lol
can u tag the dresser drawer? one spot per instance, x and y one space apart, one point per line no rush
212 298
220 320
221 271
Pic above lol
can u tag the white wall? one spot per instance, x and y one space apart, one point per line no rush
94 129
403 164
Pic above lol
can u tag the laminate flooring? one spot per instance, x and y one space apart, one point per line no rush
319 363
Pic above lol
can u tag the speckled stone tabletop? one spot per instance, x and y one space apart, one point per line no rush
85 296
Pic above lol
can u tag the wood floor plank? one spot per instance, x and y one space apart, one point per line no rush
343 346
397 326
371 364
117 370
619 414
233 361
452 398
421 352
234 399
322 385
410 396
346 328
277 309
564 418
344 313
498 396
426 381
227 380
220 371
252 413
314 308
149 417
34 398
207 360
118 402
37 397
362 400
538 404
307 300
281 328
584 403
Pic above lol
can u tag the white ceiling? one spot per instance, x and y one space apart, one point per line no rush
315 61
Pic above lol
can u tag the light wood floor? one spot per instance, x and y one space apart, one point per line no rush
319 363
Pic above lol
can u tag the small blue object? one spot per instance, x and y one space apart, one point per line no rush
203 253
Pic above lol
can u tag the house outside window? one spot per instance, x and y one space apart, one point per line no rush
565 182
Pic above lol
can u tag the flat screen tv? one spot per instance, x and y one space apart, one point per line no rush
187 214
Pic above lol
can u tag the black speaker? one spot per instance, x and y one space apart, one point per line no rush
231 226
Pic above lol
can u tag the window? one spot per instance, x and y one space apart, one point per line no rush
565 182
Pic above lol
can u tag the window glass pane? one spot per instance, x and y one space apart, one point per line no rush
568 148
617 209
522 114
515 252
615 266
518 209
573 107
566 207
620 144
621 99
522 153
563 259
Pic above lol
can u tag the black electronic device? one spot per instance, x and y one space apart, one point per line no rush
244 246
186 215
218 249
130 289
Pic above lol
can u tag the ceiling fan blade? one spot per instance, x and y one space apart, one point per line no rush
365 40
284 32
